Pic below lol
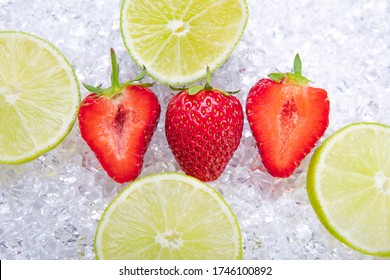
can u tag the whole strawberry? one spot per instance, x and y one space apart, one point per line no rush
287 118
118 124
203 127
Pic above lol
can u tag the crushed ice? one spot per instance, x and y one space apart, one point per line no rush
49 208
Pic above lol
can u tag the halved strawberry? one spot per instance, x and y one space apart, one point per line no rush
287 117
118 124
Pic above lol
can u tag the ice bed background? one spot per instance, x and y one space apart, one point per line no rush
49 207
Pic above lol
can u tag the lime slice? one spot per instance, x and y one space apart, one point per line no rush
177 40
349 186
39 97
168 216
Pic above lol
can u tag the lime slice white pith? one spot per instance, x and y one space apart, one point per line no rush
349 186
39 97
168 216
177 40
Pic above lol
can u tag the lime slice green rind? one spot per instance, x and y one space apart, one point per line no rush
39 97
344 184
136 222
177 40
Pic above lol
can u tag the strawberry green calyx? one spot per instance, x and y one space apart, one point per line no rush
207 86
291 77
116 86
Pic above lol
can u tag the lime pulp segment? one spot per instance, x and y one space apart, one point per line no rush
349 186
177 40
168 216
39 97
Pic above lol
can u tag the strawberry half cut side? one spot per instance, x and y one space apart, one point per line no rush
118 124
287 118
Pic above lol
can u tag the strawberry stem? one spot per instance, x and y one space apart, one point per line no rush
291 77
115 71
192 90
207 85
116 86
297 64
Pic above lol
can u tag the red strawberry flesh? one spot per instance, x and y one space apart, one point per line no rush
118 123
119 129
287 119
